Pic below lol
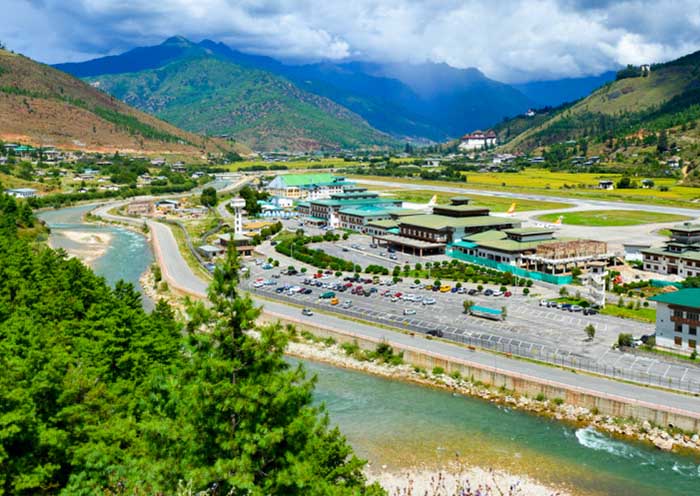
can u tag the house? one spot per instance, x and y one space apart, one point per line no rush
178 167
242 243
678 319
431 162
139 208
647 183
158 162
21 192
210 251
478 140
680 256
606 184
530 113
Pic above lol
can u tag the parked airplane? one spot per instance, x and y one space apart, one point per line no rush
551 225
511 210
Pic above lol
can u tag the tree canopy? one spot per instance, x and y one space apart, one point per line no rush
99 396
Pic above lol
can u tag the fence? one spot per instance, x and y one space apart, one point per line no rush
541 354
504 267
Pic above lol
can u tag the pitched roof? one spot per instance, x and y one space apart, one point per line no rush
429 221
689 297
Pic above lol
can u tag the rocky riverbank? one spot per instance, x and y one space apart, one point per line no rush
664 439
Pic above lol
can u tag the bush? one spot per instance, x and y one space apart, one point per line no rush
540 397
526 291
438 371
558 401
624 340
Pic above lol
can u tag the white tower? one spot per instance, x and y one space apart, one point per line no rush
597 272
237 204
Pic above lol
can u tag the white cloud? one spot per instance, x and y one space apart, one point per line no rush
510 40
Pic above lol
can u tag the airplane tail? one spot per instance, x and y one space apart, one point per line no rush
511 210
433 201
558 221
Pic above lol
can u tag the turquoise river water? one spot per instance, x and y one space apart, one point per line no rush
404 425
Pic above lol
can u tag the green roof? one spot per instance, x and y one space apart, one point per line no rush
366 211
431 221
386 223
686 255
461 208
363 201
689 297
686 227
529 230
304 179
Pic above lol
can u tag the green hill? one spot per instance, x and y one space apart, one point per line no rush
40 105
206 94
666 97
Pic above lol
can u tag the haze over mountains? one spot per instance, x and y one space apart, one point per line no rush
208 87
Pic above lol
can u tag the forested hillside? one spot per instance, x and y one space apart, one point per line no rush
99 397
42 106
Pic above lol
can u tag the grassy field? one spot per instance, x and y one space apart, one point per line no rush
611 217
566 184
496 204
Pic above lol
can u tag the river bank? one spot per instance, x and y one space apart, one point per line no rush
327 351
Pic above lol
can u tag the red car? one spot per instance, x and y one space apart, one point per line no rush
507 293
398 294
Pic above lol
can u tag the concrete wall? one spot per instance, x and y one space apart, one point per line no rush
521 384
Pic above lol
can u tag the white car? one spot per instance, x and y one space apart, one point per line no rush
429 301
497 293
409 311
258 284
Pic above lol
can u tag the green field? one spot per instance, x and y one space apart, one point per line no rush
611 218
328 163
496 204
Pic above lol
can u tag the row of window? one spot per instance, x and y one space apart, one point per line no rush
678 341
680 314
692 330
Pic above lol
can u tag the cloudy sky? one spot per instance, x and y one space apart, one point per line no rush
509 40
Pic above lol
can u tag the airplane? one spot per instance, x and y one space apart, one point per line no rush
551 225
421 206
511 210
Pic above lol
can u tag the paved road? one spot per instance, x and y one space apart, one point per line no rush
180 275
581 202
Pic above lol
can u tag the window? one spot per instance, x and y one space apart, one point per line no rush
678 341
679 328
691 343
678 314
692 331
692 316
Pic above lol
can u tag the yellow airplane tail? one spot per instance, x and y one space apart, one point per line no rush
558 221
511 210
433 201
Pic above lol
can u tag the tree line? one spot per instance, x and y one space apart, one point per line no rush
98 396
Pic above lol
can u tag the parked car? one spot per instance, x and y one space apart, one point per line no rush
445 288
345 249
497 293
472 292
409 311
575 308
355 246
307 312
508 294
590 311
435 332
327 295
347 304
307 291
334 301
488 292
429 301
393 257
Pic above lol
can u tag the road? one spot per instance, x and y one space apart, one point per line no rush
179 274
581 202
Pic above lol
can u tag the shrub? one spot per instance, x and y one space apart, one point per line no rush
624 339
438 371
541 397
558 401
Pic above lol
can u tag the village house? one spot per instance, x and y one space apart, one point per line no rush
606 184
21 192
680 256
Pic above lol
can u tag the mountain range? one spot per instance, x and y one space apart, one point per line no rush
43 106
208 87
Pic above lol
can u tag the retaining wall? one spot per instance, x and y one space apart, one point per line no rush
523 384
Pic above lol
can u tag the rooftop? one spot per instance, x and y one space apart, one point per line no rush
689 297
686 227
431 221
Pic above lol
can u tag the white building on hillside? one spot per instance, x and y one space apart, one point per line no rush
478 140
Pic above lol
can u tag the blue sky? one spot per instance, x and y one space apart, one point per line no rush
509 40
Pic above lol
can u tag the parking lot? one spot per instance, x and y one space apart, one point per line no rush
530 329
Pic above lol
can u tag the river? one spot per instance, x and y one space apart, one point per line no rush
404 425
